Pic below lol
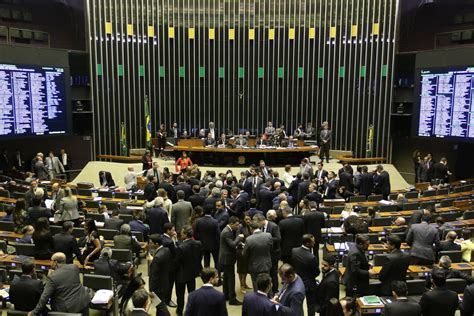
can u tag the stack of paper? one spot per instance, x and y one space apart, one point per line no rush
102 297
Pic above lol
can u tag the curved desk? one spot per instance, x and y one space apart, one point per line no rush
245 156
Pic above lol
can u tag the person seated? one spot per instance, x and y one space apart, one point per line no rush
106 180
141 303
209 142
241 141
42 239
138 225
104 211
440 300
105 265
299 132
27 235
126 303
450 273
442 226
400 222
8 217
223 142
66 243
36 210
113 222
25 291
466 244
400 304
125 240
269 130
448 244
262 142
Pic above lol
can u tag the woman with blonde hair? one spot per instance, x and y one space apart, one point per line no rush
167 203
68 208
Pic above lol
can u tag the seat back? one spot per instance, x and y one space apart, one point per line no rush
4 193
108 234
18 195
375 198
411 195
428 193
122 255
63 314
416 287
392 196
427 204
357 198
84 192
411 206
25 250
111 205
388 208
122 195
138 236
78 232
468 215
446 202
338 209
333 222
7 226
126 218
382 221
55 229
92 204
456 285
3 246
374 238
97 282
96 217
442 191
16 313
454 255
449 217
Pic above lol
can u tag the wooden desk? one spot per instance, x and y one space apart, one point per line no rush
369 309
40 264
129 159
373 248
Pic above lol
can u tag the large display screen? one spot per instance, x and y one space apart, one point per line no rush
32 100
446 103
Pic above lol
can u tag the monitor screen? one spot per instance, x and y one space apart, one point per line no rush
32 100
445 99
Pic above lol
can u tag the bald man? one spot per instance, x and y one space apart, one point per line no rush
63 288
448 244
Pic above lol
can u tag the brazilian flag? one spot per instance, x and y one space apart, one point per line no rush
123 140
148 123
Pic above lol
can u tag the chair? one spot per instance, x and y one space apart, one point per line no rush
6 226
326 209
3 246
454 255
442 191
333 222
411 195
338 209
106 194
382 221
373 238
449 217
12 273
380 259
446 202
458 232
92 204
416 287
401 235
410 206
78 232
126 218
108 234
99 282
392 196
84 192
122 195
458 189
468 215
456 285
122 255
16 313
427 204
18 195
357 198
138 236
25 250
5 193
428 193
54 229
96 217
388 208
375 198
111 205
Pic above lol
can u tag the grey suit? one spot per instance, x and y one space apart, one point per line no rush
65 290
56 197
241 142
54 167
68 209
151 172
40 170
421 238
180 214
258 251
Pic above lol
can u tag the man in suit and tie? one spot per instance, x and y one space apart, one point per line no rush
306 266
63 289
207 301
441 172
207 231
209 142
241 141
325 141
188 258
328 288
54 166
305 167
357 273
66 243
181 211
18 162
65 159
184 186
26 290
229 241
264 170
321 175
149 192
401 306
313 222
396 266
270 130
331 186
40 169
239 204
170 241
303 187
449 244
106 180
257 303
156 216
213 131
154 172
346 180
141 302
265 197
36 211
291 295
366 182
114 222
221 215
440 300
258 251
421 238
159 270
382 182
292 230
467 306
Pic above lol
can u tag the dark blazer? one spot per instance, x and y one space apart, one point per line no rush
439 301
357 272
265 197
274 230
346 180
306 266
157 218
150 192
207 231
292 299
366 184
451 273
25 293
67 244
197 200
402 307
293 189
188 258
228 246
169 190
206 301
292 230
209 142
448 245
382 183
467 306
440 171
139 226
111 267
257 304
240 204
303 189
108 179
159 272
313 222
113 223
258 251
36 212
327 289
330 189
395 269
138 313
186 188
222 217
44 246
210 204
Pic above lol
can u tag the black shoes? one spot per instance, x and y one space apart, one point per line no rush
171 304
235 302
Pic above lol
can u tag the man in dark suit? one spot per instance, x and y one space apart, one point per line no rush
292 293
320 175
331 186
63 289
396 266
149 192
114 222
170 241
66 243
306 266
366 182
440 171
209 141
265 197
401 306
346 180
303 187
382 182
357 273
257 303
183 186
440 300
105 179
291 230
221 215
207 300
328 288
37 211
26 290
207 231
197 199
258 251
159 270
168 187
451 273
156 216
449 244
313 222
421 238
107 266
239 203
140 300
467 306
188 258
229 241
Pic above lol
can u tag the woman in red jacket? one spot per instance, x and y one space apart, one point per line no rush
183 163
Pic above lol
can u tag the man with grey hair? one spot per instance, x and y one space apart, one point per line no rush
181 211
105 265
125 240
40 169
130 178
271 215
445 266
156 216
63 289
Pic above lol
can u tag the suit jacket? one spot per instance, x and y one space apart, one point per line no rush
325 135
395 269
138 312
35 212
222 217
467 306
126 242
157 218
330 189
209 142
240 204
274 230
206 301
439 301
292 230
258 251
155 173
25 293
241 142
68 209
292 298
188 258
303 190
65 290
107 179
402 307
197 200
313 222
306 266
327 289
67 244
324 174
55 164
169 190
366 184
40 170
357 271
180 214
113 223
265 197
207 231
346 180
258 304
150 192
421 238
228 246
440 171
382 183
139 226
159 271
448 245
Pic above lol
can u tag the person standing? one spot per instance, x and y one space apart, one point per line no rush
54 166
400 304
181 211
382 182
325 141
207 231
396 266
140 300
291 295
440 300
26 290
292 230
357 274
328 288
159 269
421 238
183 163
228 256
66 162
257 303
